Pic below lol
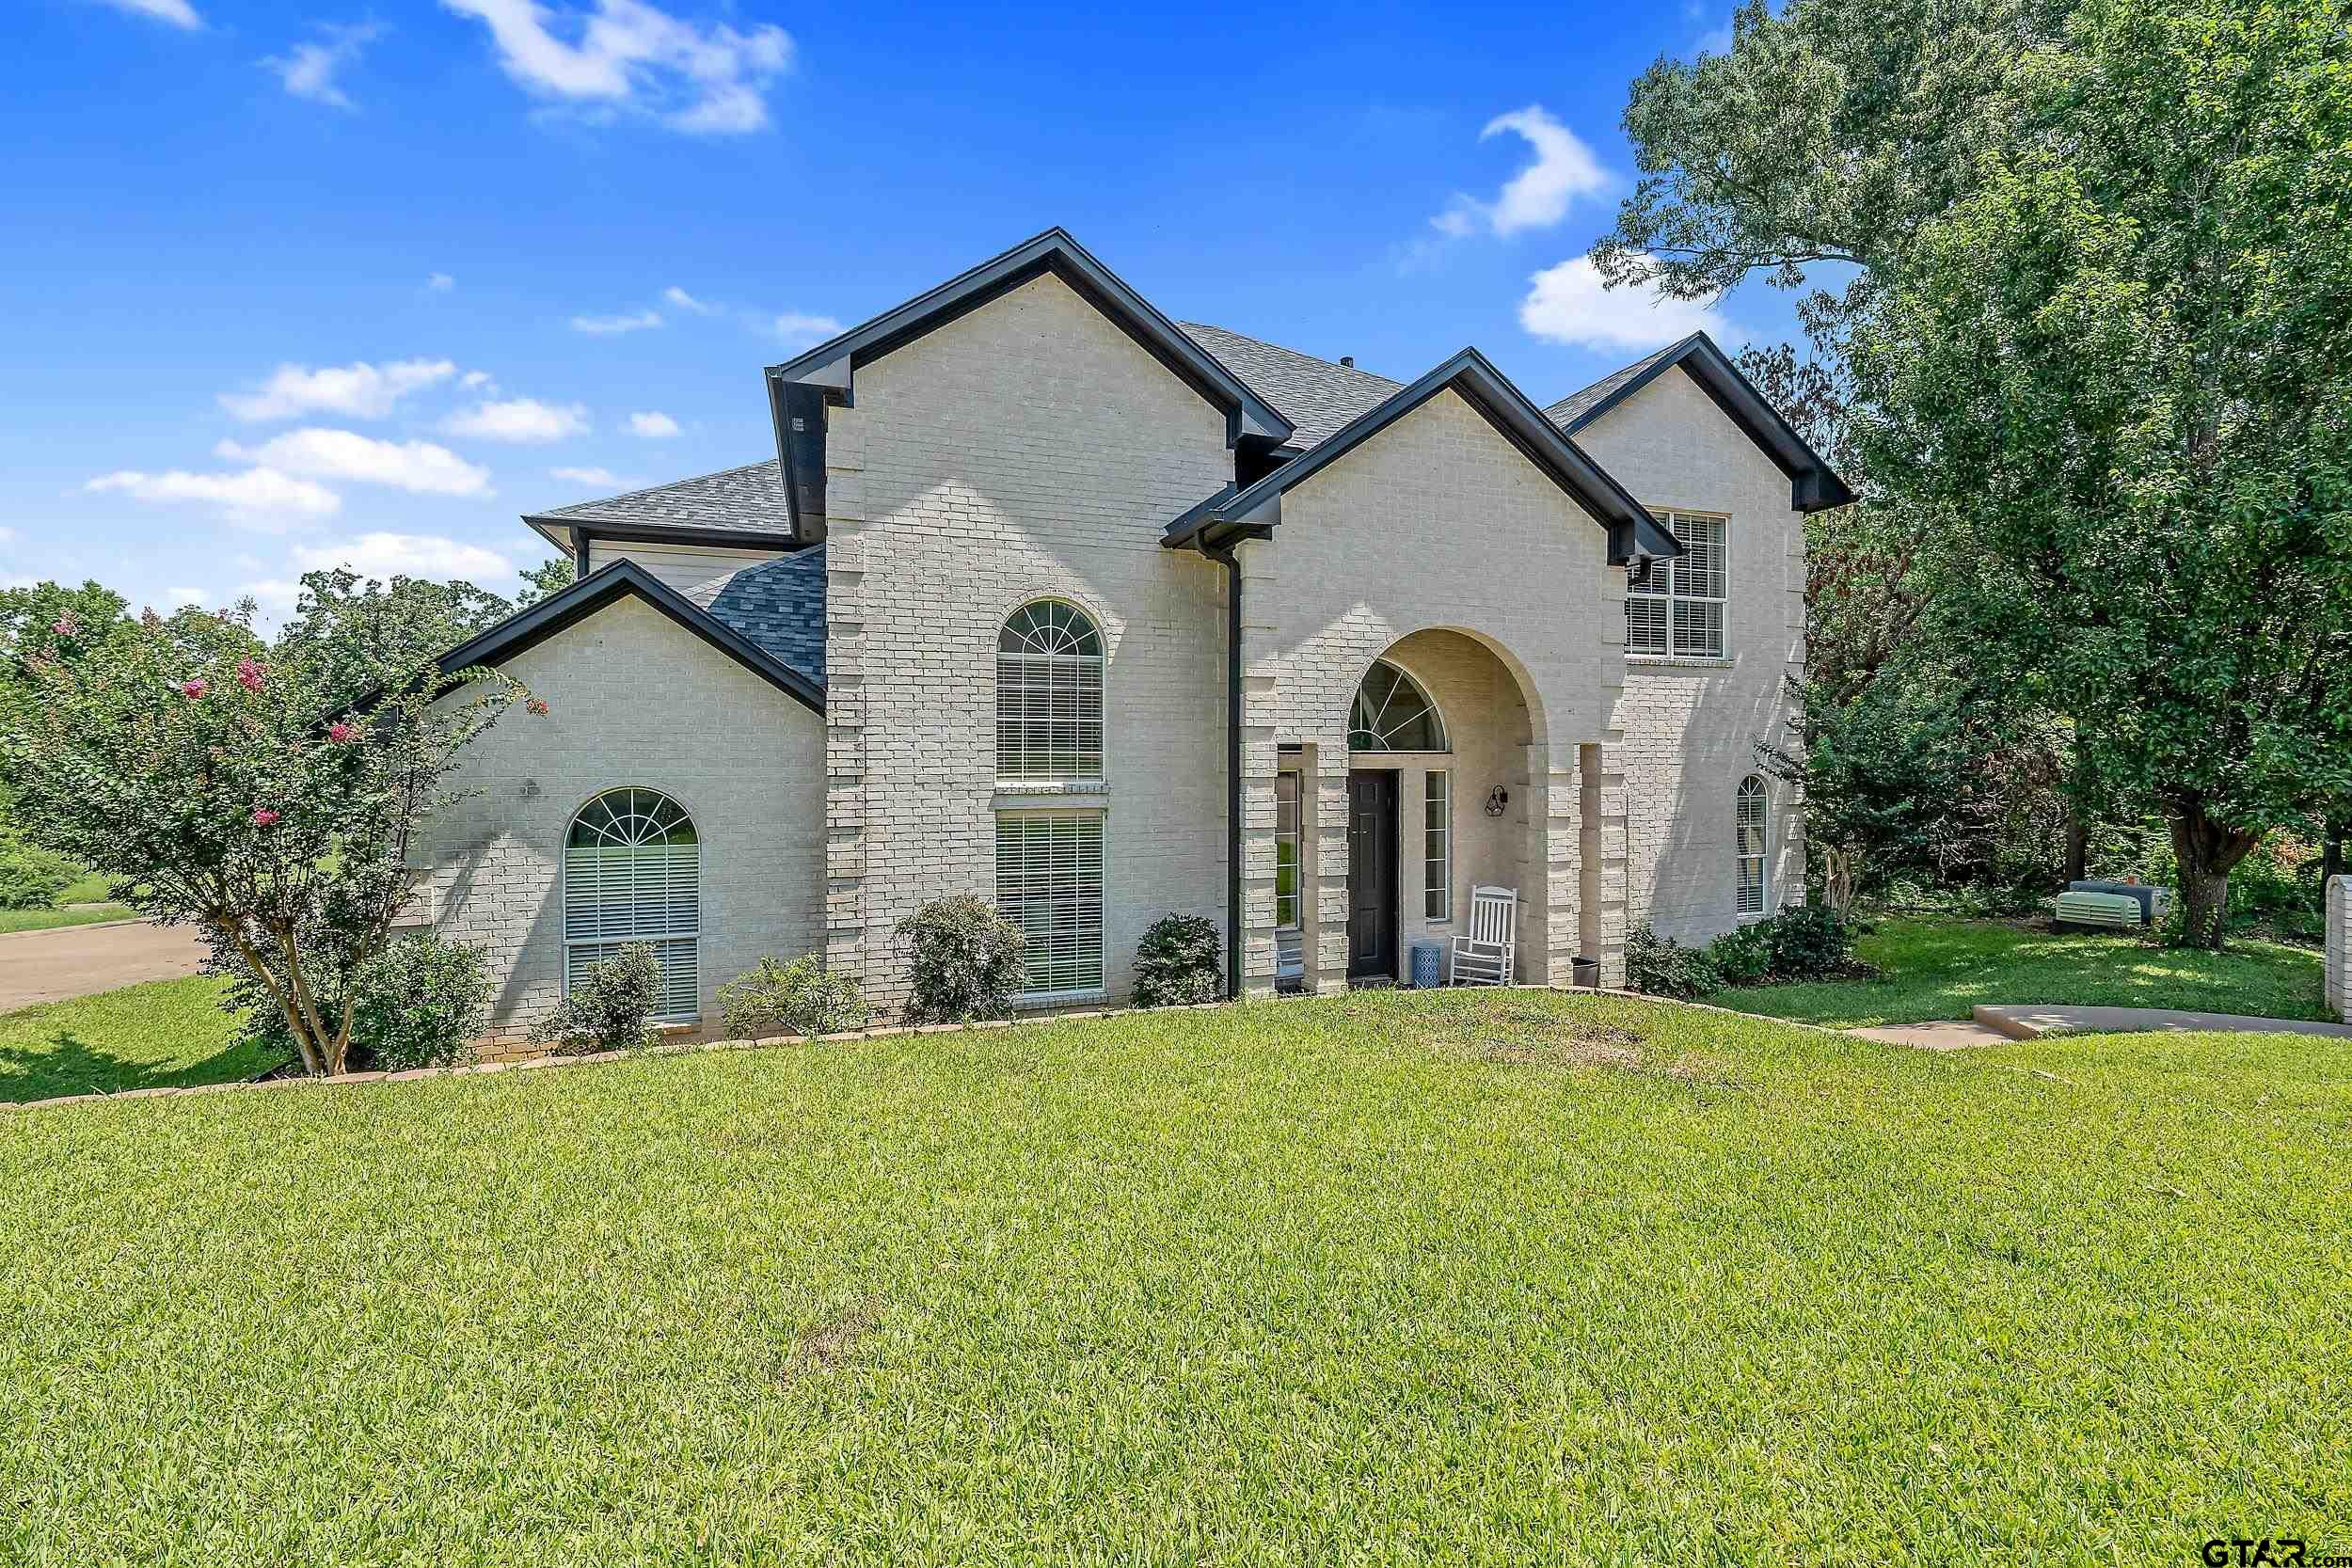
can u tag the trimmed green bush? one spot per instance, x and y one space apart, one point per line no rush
1663 967
610 1008
421 1002
1743 955
1811 942
31 877
966 960
1180 960
799 997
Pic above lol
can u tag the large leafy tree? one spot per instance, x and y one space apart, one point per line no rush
2118 374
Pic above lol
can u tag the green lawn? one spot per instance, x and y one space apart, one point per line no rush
1390 1277
167 1032
1940 968
42 920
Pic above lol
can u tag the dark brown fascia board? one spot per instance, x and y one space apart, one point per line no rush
1633 534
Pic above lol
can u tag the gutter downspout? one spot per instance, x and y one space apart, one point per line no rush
1229 556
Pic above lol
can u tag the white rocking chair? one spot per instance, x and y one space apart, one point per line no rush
1487 953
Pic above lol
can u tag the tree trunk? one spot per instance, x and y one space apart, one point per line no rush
2077 844
2207 850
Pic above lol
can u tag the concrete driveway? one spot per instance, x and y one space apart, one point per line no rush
79 960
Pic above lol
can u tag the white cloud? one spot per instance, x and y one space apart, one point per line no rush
360 390
653 425
185 595
585 476
1539 195
605 325
441 283
415 555
178 13
795 326
478 381
1566 304
519 420
708 80
419 466
275 596
309 68
684 301
257 498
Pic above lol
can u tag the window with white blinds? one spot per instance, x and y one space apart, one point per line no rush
1049 694
1679 612
1436 837
632 872
1049 882
1748 837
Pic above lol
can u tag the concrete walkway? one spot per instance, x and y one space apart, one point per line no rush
1999 1025
80 960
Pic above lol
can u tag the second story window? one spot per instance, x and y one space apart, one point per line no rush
1679 612
1049 694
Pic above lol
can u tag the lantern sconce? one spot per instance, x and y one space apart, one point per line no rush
1497 798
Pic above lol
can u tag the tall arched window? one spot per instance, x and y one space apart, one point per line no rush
1394 714
1748 839
632 872
1049 694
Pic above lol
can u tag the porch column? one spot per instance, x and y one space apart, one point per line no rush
1260 762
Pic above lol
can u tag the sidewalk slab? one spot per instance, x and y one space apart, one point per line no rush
2033 1022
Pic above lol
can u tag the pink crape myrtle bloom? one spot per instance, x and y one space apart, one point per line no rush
67 625
194 690
250 674
341 733
263 817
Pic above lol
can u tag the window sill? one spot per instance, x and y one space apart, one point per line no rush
1032 999
1678 661
1007 798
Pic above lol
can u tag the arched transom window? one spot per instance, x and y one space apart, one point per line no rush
632 872
1748 839
1394 714
1049 694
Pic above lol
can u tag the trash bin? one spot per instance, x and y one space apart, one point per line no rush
1427 964
1583 971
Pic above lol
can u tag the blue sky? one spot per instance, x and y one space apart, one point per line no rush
294 285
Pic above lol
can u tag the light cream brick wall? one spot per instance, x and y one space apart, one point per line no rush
1029 449
1691 731
631 698
2340 947
1436 522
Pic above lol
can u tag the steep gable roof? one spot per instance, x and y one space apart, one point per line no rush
527 628
1317 396
1813 486
1255 510
746 502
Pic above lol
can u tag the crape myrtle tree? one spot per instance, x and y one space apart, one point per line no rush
254 792
2118 371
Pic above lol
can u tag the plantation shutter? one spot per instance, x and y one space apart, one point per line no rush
1049 882
632 872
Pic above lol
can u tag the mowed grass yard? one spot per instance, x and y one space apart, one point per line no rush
163 1034
1932 968
1383 1277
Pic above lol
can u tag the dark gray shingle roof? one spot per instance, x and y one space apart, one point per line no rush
1577 405
1315 395
780 606
749 499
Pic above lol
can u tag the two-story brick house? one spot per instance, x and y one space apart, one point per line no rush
1051 598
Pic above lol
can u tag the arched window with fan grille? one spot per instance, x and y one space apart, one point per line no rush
632 872
1049 694
1394 714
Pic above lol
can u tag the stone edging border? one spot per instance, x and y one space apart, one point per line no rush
535 1063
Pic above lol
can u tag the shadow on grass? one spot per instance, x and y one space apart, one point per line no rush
165 1034
66 1064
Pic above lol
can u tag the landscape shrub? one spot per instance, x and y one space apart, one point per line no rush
798 997
418 1002
610 1007
1743 955
1811 942
1663 967
31 877
965 961
1180 960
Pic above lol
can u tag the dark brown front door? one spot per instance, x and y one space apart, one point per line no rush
1371 876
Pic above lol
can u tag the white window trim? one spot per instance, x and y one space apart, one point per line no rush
1297 838
1763 856
564 880
1715 659
1443 887
1040 784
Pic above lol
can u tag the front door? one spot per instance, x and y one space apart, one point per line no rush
1372 875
